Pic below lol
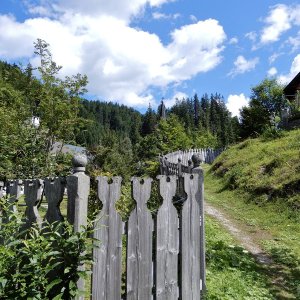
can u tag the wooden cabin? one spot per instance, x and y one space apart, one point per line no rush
292 91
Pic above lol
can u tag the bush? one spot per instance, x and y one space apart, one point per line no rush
41 263
271 133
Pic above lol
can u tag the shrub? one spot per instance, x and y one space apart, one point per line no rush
41 263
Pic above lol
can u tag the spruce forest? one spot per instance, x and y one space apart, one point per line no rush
120 139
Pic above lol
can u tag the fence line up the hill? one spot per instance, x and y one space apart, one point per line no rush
178 162
208 155
165 256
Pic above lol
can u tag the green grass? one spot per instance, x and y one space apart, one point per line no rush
276 216
268 169
232 272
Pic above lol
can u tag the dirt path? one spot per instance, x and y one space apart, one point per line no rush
249 238
245 236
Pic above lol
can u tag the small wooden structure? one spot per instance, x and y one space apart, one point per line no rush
292 91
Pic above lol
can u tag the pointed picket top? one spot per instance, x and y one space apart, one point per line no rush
103 187
54 192
33 189
14 191
141 189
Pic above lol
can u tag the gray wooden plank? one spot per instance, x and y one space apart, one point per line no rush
1 189
190 239
78 187
167 242
14 191
54 192
107 268
199 171
139 244
33 193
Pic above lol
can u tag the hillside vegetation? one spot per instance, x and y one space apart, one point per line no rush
266 168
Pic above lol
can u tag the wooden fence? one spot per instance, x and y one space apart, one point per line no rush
164 254
208 155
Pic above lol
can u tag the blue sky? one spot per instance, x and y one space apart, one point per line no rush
137 51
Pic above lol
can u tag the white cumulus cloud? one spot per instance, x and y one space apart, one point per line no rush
251 36
233 41
294 70
242 65
236 102
280 19
158 16
123 63
177 96
294 41
272 71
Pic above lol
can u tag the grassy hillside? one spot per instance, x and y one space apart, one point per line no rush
257 184
266 168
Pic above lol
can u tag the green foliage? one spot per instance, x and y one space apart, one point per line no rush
105 119
266 102
25 146
41 263
149 122
204 139
58 104
115 157
264 167
171 135
272 133
207 115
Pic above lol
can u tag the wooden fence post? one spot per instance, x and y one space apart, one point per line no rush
167 242
1 189
33 193
197 159
107 268
78 187
14 190
1 195
139 243
54 192
190 240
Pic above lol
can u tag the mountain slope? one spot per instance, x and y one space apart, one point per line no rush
266 168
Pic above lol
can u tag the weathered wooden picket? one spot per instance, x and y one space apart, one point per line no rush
164 254
208 155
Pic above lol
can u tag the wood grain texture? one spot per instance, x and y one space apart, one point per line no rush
190 239
33 193
78 187
139 244
14 191
1 189
54 192
167 242
107 268
199 171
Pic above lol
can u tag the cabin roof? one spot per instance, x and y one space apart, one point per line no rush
293 86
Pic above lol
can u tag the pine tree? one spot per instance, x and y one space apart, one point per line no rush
149 122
